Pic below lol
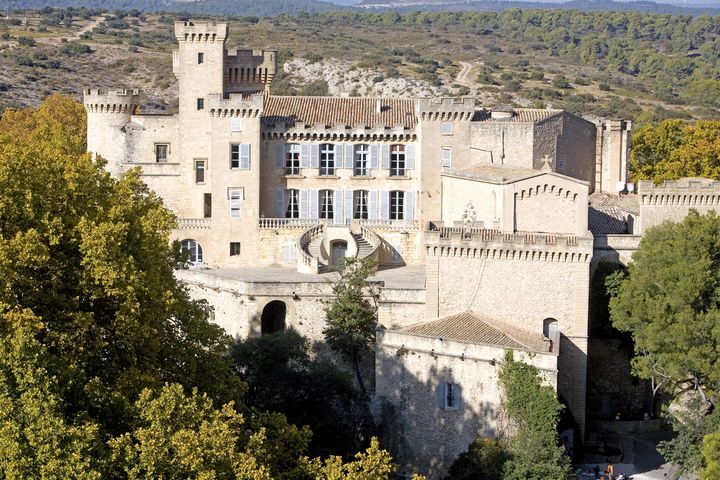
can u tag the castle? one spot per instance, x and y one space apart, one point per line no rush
485 224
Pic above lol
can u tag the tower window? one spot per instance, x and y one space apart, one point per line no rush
161 152
234 249
200 103
201 58
451 396
200 171
447 158
446 128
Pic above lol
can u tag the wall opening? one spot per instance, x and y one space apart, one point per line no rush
338 249
550 330
273 317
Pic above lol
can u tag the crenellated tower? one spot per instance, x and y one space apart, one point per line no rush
107 113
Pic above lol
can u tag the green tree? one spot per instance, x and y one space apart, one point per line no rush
352 315
373 464
484 460
711 454
533 410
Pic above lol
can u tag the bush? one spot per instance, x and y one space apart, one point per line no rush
483 460
537 75
26 41
581 81
561 82
75 48
604 87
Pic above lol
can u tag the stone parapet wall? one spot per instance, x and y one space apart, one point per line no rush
674 199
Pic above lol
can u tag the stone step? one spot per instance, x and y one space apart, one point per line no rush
313 249
364 247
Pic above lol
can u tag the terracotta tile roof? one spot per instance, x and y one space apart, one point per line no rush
608 214
470 327
627 203
332 111
521 115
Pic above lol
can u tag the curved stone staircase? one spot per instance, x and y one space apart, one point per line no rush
312 259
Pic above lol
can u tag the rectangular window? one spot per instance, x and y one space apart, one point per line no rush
235 196
397 205
200 171
447 158
201 58
200 103
451 400
327 159
161 152
397 160
326 204
362 160
234 249
446 128
234 155
236 124
207 205
292 159
360 203
292 208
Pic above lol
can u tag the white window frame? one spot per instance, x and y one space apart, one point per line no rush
292 203
398 160
194 251
200 168
446 128
235 198
327 159
361 210
397 205
361 160
292 158
326 203
446 156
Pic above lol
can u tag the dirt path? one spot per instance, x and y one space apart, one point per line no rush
463 77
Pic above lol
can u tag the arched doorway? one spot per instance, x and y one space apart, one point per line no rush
273 317
338 249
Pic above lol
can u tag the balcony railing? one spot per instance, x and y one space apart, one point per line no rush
193 223
265 223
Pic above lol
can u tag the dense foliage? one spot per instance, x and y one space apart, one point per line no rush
351 317
675 149
483 460
669 301
533 410
108 370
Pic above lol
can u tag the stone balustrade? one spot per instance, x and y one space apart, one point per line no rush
273 223
306 263
193 223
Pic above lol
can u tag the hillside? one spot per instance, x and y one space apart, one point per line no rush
639 67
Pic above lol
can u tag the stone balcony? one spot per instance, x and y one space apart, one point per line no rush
194 223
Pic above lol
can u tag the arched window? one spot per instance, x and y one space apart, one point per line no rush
193 250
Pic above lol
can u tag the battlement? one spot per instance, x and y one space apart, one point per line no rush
200 31
123 100
445 108
686 191
236 105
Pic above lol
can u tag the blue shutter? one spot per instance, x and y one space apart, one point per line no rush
374 155
348 206
373 205
280 155
338 152
385 156
441 395
303 204
349 156
245 156
384 205
305 156
338 207
313 203
314 155
458 397
409 212
410 156
279 203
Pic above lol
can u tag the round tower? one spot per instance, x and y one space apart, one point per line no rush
107 113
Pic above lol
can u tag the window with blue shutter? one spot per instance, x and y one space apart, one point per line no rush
373 205
348 206
374 155
314 155
304 204
385 156
245 156
410 156
384 205
338 210
349 155
305 156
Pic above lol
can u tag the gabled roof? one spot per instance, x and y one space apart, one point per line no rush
608 214
470 327
333 111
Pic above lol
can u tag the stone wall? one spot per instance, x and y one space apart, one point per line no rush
575 149
674 199
551 204
410 372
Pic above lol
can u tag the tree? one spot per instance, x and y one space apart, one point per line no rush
484 460
669 301
351 317
373 464
675 149
283 376
533 410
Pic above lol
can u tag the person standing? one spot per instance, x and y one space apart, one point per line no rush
610 470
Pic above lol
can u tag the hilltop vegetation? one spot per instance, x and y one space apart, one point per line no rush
608 64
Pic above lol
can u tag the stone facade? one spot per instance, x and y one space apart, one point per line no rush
464 208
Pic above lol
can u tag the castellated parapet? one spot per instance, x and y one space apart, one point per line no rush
674 199
236 105
123 101
445 109
200 31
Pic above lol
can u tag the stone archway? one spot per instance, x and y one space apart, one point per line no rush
273 316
